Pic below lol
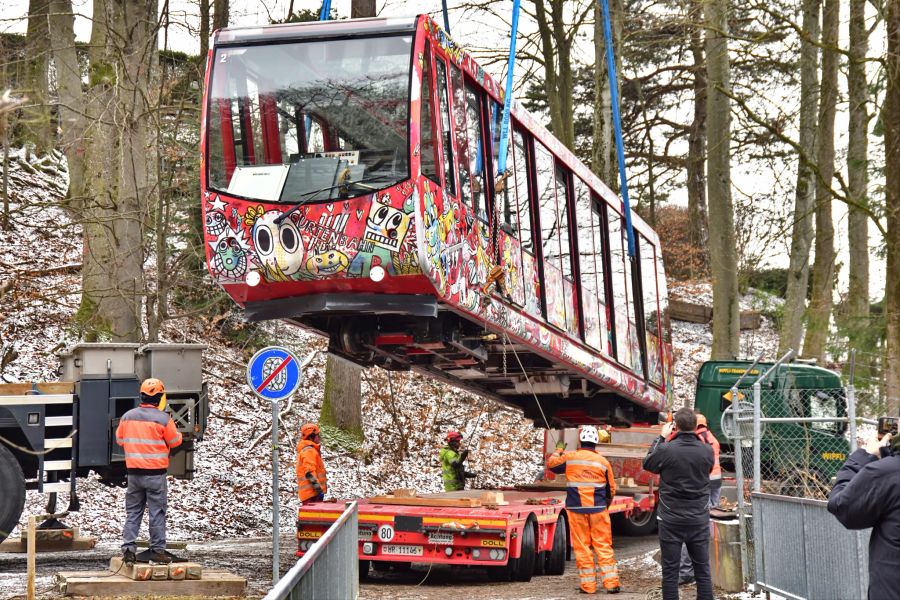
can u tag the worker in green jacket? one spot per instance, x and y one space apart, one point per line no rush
453 470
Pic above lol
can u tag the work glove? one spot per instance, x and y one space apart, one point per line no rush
463 455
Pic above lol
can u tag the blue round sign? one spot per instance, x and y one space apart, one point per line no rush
273 373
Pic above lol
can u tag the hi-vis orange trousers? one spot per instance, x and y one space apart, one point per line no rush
592 533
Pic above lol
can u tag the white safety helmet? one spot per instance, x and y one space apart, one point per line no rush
589 434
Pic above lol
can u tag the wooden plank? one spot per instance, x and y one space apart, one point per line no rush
170 545
19 389
750 319
30 560
405 493
18 546
135 572
687 311
443 502
102 583
493 499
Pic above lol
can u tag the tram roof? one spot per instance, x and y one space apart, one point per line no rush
315 29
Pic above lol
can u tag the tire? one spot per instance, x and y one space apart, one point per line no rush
636 524
524 565
364 569
12 492
555 562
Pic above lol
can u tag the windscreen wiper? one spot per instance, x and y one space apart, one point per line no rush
361 182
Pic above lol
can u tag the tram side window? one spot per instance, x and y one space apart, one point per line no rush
508 215
446 129
427 147
553 275
459 116
627 348
476 152
590 263
651 309
524 199
565 250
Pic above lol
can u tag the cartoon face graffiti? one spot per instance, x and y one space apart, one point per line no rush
215 222
386 226
278 246
229 258
329 262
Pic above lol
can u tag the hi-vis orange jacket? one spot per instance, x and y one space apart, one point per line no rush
703 432
309 460
588 477
146 433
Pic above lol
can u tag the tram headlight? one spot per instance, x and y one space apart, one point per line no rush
368 548
377 273
253 278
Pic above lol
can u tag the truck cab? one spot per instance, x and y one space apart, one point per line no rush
794 456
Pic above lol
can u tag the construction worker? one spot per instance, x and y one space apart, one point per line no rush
686 572
453 470
590 488
312 481
147 434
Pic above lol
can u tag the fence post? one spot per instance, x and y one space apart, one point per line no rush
757 435
851 416
739 479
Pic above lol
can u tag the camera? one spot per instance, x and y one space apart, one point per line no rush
887 425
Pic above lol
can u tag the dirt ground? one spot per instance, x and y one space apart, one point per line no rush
250 558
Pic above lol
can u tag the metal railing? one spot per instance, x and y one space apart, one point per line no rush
330 569
802 551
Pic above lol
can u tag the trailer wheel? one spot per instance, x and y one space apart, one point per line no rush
524 567
364 569
12 496
638 523
556 558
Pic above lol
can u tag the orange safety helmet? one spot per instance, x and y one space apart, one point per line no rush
153 387
701 420
454 435
309 430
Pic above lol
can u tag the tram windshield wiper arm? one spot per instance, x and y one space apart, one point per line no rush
361 182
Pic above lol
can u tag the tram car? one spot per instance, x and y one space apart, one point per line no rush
349 186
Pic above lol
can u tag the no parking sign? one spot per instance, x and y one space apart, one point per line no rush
273 373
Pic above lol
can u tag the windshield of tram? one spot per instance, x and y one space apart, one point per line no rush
309 121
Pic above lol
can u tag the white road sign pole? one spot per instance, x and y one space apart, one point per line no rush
276 521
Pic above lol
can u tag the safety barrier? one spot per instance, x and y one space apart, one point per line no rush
803 552
330 569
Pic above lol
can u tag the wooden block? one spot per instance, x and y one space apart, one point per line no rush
405 493
52 535
751 319
423 501
159 572
135 572
20 389
493 498
692 313
184 570
18 545
103 583
194 571
176 545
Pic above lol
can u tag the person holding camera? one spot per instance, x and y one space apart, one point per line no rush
867 494
683 463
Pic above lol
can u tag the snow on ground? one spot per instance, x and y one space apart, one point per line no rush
405 415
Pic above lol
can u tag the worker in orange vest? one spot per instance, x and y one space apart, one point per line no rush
686 571
312 482
590 488
147 433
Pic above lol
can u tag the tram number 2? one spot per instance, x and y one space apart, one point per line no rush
385 533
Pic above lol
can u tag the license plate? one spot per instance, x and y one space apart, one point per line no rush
401 550
440 538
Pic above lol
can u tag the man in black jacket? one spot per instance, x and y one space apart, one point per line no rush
683 465
867 494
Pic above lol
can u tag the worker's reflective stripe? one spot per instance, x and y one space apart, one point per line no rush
146 456
589 484
588 463
585 571
174 439
149 442
612 575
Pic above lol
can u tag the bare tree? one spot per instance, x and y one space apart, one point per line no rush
722 251
804 196
603 151
361 9
856 307
204 32
819 314
36 119
892 206
696 173
221 9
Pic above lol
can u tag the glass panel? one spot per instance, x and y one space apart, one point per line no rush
600 244
618 260
446 129
651 310
459 116
562 219
547 205
522 197
633 341
587 265
476 152
428 149
352 97
505 196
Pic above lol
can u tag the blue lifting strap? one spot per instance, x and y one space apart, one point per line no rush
507 98
446 18
617 121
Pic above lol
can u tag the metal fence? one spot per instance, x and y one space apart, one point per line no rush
803 552
330 569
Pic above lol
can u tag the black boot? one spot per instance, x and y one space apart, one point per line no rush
160 557
128 557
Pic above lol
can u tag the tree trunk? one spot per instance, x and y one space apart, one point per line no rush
35 122
722 251
696 175
70 96
603 151
120 157
342 405
204 32
823 268
892 207
802 235
556 48
221 9
856 310
360 9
